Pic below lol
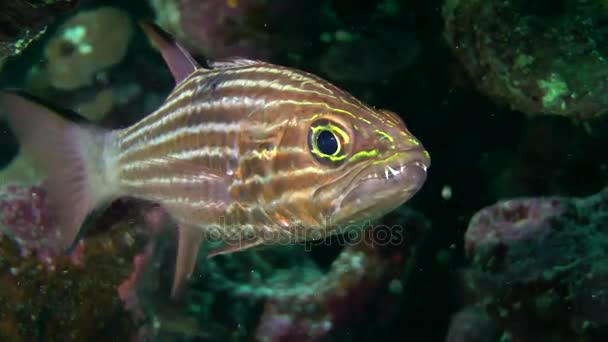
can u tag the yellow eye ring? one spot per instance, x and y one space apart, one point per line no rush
327 142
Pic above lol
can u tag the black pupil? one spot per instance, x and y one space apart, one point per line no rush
327 143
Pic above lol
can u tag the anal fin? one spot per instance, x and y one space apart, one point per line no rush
234 247
188 245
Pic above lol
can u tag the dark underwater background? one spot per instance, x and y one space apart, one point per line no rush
506 241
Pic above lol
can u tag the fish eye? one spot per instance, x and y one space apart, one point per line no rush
327 142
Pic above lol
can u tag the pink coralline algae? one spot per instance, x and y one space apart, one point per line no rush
512 221
541 265
36 276
154 221
24 217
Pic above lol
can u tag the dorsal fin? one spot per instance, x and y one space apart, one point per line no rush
233 62
180 62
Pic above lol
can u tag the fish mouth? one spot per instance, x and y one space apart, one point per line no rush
382 186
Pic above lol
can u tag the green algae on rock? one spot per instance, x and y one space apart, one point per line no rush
22 22
537 57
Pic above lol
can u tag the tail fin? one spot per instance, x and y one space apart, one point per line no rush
71 155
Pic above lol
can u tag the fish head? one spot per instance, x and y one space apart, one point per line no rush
373 165
336 164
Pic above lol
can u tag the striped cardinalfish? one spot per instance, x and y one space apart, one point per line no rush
241 150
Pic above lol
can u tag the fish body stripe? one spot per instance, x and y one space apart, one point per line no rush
183 155
261 70
181 133
217 121
230 126
199 108
180 104
280 174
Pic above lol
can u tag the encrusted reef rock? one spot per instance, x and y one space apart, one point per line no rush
45 295
216 28
84 64
84 46
22 21
540 266
535 56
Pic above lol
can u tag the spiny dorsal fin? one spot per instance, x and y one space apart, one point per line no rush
180 62
233 62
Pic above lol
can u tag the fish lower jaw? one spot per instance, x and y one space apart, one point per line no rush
388 172
380 189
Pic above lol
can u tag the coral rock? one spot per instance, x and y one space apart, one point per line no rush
539 265
537 57
83 46
21 22
217 28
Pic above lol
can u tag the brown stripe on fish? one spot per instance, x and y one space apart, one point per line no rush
392 118
197 113
223 104
322 106
305 83
179 100
275 111
216 112
288 159
275 153
210 81
295 208
227 104
240 213
294 180
237 225
280 78
181 96
330 88
222 160
209 139
172 188
205 138
248 188
179 193
264 70
233 222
